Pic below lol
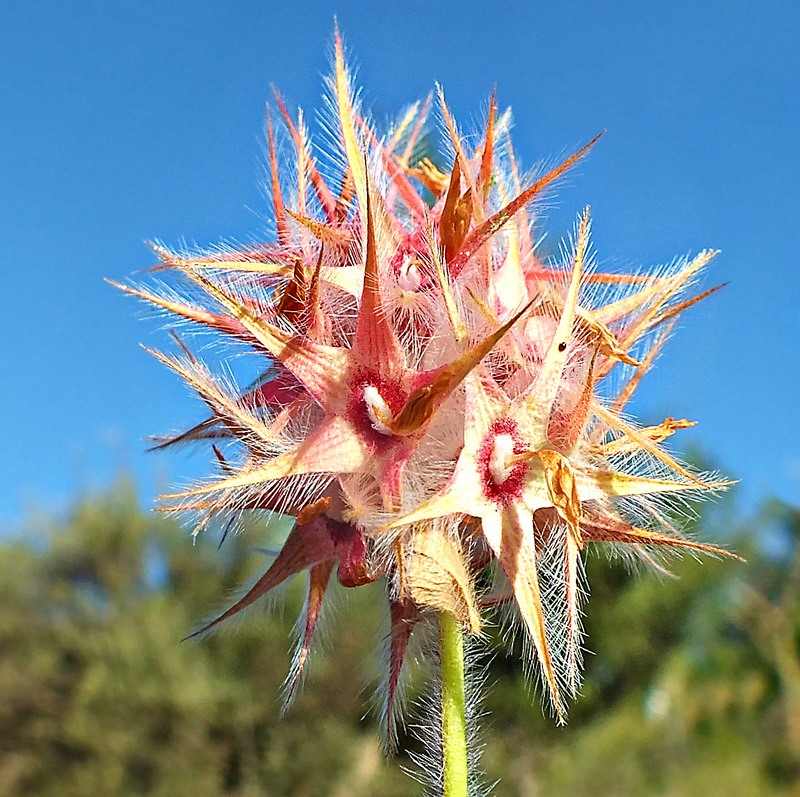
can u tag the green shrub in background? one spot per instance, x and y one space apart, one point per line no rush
695 689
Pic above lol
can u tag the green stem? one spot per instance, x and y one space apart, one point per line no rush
454 723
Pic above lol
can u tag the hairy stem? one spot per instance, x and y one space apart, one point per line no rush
454 725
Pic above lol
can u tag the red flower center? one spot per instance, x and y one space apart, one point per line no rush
374 402
502 481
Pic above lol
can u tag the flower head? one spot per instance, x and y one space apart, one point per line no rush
433 396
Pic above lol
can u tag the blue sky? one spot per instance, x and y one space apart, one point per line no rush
127 121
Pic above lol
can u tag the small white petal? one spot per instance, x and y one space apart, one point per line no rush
376 409
502 449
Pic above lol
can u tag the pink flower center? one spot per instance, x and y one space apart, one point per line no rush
374 403
502 481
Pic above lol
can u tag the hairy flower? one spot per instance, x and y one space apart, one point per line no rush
434 398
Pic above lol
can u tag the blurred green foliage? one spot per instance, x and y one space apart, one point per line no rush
693 688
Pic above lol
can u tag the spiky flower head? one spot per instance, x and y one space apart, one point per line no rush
434 399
